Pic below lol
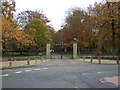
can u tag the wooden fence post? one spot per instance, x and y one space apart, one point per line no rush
10 64
28 62
91 59
35 61
99 60
117 60
83 58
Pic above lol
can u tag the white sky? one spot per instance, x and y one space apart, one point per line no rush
54 9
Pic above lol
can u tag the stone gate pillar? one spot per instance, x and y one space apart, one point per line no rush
74 49
48 50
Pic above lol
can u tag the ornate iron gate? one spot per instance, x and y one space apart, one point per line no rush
61 50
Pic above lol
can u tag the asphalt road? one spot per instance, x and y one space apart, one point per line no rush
60 73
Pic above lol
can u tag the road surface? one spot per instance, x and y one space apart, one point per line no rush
60 73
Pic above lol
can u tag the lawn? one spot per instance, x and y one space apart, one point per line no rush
86 55
15 57
68 55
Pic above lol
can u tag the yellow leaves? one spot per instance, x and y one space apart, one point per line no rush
105 11
24 39
10 32
85 44
33 30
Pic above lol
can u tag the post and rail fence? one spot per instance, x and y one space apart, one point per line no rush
35 56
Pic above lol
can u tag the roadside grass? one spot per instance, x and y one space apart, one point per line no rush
89 62
85 55
7 57
68 56
96 62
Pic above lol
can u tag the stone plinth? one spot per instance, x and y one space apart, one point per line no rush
48 50
74 50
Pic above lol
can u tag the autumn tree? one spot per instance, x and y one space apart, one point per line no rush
8 8
0 34
39 31
13 38
25 17
52 34
76 26
95 28
105 21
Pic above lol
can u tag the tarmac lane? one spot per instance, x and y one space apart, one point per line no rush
60 73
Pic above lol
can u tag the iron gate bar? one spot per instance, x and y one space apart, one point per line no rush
60 45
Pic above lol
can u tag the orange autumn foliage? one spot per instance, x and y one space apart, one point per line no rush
12 35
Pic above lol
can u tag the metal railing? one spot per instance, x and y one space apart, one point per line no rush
23 54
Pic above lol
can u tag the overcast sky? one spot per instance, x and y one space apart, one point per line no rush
54 9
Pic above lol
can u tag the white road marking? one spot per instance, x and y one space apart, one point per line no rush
37 69
45 68
99 72
28 70
5 75
76 87
19 72
83 74
91 73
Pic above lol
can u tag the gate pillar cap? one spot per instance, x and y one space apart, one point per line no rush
74 40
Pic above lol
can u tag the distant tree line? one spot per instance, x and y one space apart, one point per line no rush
28 30
95 28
